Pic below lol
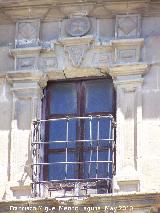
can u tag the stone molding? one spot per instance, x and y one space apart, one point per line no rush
46 11
27 77
128 69
107 56
25 52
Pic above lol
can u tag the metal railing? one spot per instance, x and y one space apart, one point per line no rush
100 139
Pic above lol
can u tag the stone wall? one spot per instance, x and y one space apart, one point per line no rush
35 50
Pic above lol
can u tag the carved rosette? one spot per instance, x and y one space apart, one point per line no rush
78 26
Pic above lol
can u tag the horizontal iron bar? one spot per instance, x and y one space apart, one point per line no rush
72 118
71 180
71 141
36 164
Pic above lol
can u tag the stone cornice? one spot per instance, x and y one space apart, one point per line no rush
28 77
128 69
127 42
76 40
25 52
16 10
24 75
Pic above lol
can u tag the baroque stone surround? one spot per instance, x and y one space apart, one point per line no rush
83 55
74 57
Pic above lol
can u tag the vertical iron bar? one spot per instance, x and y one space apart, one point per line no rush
109 149
39 168
91 151
66 165
113 152
33 159
35 169
113 149
97 148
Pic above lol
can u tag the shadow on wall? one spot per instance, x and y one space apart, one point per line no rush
27 172
23 114
5 107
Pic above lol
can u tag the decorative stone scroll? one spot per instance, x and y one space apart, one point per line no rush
78 26
27 33
127 26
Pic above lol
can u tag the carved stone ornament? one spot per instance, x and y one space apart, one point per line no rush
128 25
78 26
25 63
27 33
76 53
49 62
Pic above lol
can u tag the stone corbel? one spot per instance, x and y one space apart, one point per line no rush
128 80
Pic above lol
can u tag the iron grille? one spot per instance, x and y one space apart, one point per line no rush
83 185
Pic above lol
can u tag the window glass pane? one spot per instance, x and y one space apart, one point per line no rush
57 171
99 96
63 99
58 132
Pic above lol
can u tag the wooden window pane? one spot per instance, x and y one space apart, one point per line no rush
63 99
58 132
99 96
57 171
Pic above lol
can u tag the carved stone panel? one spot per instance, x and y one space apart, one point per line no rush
27 33
48 63
101 59
28 63
78 26
76 53
127 26
127 55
